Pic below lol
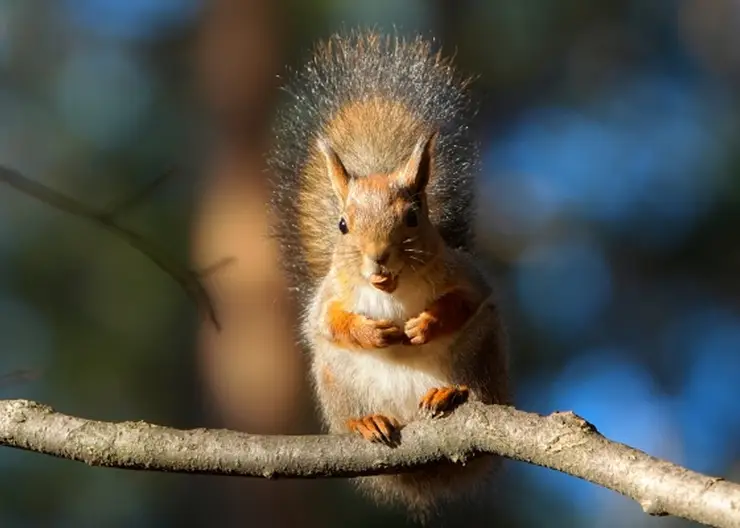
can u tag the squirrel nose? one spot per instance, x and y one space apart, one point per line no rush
379 255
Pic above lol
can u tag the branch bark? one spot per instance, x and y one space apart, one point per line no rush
560 441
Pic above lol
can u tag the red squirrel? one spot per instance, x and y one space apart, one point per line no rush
373 170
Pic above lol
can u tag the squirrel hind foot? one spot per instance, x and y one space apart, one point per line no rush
439 401
377 428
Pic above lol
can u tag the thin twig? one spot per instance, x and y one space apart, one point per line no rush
117 208
188 280
18 376
217 266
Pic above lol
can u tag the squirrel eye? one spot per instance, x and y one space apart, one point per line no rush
343 226
412 219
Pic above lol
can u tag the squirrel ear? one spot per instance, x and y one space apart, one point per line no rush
415 175
337 173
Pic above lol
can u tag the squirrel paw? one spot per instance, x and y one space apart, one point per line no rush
442 400
371 333
376 428
419 329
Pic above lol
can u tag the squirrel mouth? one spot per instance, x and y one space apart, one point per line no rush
386 282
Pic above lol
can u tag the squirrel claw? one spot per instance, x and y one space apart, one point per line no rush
419 329
378 334
376 428
439 401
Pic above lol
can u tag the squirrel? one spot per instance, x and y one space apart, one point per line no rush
373 175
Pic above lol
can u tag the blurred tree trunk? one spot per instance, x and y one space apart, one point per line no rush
252 374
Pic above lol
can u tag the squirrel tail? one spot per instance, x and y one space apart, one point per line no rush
371 97
422 494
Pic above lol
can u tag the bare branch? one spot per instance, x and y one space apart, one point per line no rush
117 208
217 266
560 441
17 377
188 280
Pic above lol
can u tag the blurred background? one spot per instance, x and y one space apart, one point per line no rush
610 208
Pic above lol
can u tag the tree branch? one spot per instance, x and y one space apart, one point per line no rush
119 207
188 280
560 441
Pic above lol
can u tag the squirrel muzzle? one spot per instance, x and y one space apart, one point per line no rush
387 283
377 268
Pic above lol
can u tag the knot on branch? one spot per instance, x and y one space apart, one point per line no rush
653 507
571 419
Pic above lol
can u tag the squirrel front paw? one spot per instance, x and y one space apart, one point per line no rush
376 428
371 333
442 400
419 329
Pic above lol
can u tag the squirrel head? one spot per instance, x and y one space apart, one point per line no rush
384 228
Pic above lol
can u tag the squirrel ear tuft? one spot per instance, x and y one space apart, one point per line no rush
335 169
415 175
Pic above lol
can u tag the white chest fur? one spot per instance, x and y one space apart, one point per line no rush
408 301
393 380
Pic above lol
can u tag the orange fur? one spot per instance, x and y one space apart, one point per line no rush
382 126
375 171
328 376
374 182
440 400
445 316
375 428
355 331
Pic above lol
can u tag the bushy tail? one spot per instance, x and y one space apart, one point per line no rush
423 494
371 96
